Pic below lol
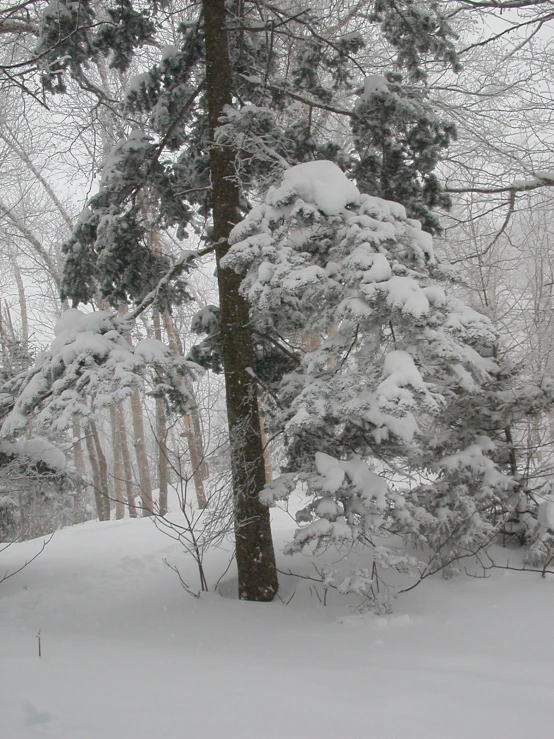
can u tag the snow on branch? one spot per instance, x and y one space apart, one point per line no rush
540 179
90 365
177 269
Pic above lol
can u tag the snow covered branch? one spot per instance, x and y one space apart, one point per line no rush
177 269
541 179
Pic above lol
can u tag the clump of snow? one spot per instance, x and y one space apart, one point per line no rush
545 514
331 469
380 208
406 294
474 458
321 183
151 350
169 51
254 79
375 266
367 484
265 272
278 489
321 528
303 277
327 508
399 370
374 83
70 320
205 320
56 10
136 82
37 449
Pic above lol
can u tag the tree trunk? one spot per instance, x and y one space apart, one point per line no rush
265 445
118 479
257 573
193 430
161 433
145 480
22 306
102 470
79 460
196 461
96 481
126 458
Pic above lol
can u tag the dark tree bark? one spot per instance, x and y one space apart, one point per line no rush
257 573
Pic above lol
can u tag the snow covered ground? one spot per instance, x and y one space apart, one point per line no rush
128 654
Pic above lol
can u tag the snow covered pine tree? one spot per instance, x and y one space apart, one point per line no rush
395 422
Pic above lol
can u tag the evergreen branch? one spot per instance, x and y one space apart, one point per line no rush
180 113
302 99
271 340
19 26
29 63
175 270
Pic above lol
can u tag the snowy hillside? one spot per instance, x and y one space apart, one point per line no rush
127 653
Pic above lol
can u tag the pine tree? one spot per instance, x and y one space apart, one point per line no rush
396 422
35 478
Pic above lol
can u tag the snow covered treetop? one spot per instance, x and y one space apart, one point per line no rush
391 346
322 185
317 241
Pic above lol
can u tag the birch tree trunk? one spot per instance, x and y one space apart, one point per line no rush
145 481
197 462
126 460
102 470
22 306
96 480
193 429
161 433
79 461
118 479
